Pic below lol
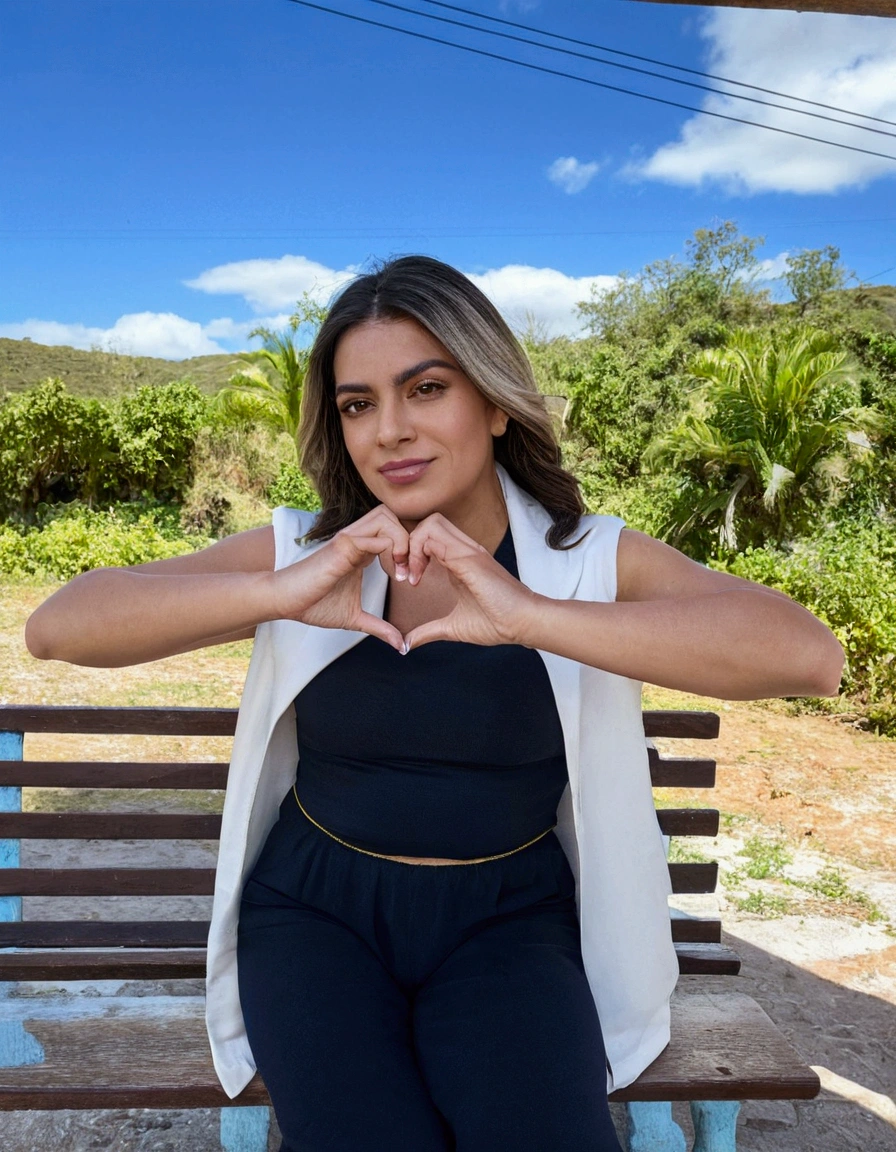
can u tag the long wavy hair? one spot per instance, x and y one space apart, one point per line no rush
469 326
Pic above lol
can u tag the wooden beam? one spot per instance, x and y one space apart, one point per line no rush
886 8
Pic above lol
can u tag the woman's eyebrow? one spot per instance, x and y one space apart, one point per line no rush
409 373
401 377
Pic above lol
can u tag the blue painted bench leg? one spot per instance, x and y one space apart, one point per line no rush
715 1123
17 1047
245 1129
652 1129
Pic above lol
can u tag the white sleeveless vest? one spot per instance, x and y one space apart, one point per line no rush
606 820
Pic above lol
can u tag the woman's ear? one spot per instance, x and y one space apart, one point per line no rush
499 422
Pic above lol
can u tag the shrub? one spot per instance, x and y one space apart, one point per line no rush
157 428
83 539
846 575
234 468
292 487
55 447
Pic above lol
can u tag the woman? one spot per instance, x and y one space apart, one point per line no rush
453 653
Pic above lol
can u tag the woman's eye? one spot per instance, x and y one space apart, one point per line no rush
354 407
429 387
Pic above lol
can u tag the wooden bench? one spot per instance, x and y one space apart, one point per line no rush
62 1049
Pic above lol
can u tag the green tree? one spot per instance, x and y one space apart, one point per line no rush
812 273
157 427
54 447
691 302
764 437
268 388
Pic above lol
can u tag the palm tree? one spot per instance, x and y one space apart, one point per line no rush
268 388
767 429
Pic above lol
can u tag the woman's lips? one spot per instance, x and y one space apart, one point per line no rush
404 471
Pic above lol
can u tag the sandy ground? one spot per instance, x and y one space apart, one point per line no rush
825 970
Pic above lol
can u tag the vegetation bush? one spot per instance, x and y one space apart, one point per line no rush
765 435
85 538
156 428
54 447
846 575
58 448
293 488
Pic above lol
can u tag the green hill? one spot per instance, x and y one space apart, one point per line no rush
102 374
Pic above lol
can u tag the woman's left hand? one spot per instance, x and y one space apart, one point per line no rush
491 607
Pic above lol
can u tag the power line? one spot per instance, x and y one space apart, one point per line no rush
661 63
885 271
629 67
584 80
381 231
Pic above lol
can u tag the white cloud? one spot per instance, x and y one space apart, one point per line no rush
547 295
225 328
847 61
518 290
161 334
268 284
571 174
772 267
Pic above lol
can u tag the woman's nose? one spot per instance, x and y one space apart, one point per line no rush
394 424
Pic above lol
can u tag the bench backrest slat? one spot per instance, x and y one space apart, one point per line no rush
112 774
163 826
222 721
108 826
104 934
107 881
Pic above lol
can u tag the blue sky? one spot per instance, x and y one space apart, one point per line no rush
173 172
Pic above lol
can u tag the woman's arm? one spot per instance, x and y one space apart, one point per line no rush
683 626
112 617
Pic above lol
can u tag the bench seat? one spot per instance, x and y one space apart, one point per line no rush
138 1053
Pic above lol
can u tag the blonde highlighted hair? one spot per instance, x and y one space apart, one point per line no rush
469 326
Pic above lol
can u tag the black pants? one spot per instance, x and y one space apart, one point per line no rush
410 1008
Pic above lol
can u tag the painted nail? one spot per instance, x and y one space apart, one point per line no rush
405 648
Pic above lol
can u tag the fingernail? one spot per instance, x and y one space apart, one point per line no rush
399 575
405 648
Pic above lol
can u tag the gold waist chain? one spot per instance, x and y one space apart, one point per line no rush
395 860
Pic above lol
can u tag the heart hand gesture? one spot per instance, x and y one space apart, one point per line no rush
325 588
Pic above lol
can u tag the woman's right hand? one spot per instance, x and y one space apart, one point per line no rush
324 589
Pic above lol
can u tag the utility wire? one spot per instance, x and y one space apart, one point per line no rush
661 63
630 68
584 80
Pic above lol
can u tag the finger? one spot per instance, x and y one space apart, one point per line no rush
426 633
438 538
376 626
380 521
362 549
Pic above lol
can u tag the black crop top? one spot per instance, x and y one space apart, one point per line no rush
454 750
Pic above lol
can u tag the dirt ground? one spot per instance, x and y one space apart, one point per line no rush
818 947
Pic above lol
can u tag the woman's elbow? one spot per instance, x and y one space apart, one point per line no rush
826 672
38 639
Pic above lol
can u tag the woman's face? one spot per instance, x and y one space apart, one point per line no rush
417 429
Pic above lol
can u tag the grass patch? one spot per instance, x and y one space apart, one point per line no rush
764 904
683 853
765 858
830 884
